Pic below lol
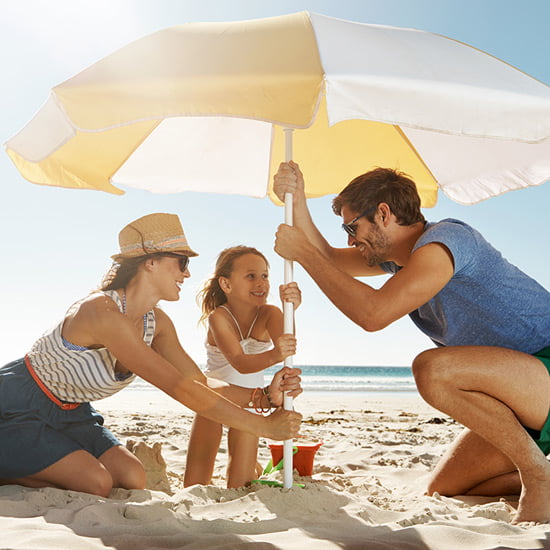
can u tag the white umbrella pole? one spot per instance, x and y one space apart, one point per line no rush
288 315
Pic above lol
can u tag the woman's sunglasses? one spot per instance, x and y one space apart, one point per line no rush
182 260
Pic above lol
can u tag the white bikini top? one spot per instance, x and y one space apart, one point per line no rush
216 361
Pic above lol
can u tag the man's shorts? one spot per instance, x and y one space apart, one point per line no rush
542 438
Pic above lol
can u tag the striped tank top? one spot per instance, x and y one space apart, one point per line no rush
217 366
81 375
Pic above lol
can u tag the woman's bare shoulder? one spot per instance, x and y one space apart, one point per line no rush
162 319
97 303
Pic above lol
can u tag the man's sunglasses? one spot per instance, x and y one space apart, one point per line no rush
350 228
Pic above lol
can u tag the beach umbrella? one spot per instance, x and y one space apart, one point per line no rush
206 106
187 107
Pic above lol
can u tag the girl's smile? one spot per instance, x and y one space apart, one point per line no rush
248 280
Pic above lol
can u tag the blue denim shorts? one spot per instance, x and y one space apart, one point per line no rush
35 432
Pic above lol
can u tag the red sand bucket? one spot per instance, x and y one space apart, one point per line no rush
302 461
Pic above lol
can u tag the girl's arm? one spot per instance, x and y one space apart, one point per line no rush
223 332
169 368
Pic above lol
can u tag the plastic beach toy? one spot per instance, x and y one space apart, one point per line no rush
302 459
270 469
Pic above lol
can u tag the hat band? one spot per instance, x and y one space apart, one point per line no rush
150 247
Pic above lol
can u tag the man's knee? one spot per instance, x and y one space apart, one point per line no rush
430 373
436 485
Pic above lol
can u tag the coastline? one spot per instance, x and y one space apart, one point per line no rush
366 491
157 401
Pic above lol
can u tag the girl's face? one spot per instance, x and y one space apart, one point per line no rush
249 280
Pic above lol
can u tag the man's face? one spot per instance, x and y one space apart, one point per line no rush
370 238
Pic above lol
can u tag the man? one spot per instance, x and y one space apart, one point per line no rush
487 318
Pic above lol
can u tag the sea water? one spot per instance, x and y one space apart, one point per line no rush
340 379
354 378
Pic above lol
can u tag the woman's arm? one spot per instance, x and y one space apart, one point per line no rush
167 344
222 408
168 367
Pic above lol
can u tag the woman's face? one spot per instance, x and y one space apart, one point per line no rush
170 277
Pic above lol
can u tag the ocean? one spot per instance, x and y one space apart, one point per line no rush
357 379
323 378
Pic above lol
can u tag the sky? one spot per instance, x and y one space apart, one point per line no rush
56 243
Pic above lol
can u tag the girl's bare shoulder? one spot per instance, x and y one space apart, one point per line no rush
270 309
268 312
220 317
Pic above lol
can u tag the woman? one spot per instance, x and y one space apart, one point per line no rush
50 435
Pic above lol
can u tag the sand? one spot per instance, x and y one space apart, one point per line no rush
366 491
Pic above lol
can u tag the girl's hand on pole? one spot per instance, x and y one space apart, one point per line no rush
283 424
286 380
286 345
291 293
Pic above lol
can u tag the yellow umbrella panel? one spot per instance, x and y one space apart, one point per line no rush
330 157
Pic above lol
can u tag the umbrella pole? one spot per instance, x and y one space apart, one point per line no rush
288 316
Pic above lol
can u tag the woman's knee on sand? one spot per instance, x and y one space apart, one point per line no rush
125 469
100 481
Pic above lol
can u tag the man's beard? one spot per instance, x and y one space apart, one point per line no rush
378 252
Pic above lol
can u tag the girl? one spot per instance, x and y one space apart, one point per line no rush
245 336
50 435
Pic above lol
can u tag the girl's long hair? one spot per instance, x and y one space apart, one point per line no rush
211 295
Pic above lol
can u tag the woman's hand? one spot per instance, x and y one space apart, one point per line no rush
291 293
283 424
286 380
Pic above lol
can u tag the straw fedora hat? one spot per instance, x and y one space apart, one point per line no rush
153 234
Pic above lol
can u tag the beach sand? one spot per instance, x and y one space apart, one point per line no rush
366 490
